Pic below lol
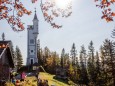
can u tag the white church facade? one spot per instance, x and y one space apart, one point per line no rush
32 35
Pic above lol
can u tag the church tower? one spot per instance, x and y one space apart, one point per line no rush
32 41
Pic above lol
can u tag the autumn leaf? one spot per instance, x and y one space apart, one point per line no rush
29 12
112 0
45 14
5 8
112 14
33 1
104 1
20 13
107 12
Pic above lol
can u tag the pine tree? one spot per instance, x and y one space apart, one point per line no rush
91 64
51 62
91 51
66 60
71 72
97 70
102 68
38 51
13 55
62 58
46 55
55 62
109 57
113 33
40 57
84 75
19 58
73 54
46 52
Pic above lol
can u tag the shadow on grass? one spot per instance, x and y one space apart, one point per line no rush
61 80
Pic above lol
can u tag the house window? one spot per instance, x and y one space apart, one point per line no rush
32 41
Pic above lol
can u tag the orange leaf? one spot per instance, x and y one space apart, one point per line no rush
20 13
112 14
104 1
29 12
45 14
5 8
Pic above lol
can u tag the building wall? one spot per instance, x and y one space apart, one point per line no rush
32 45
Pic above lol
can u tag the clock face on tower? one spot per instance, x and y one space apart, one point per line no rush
32 50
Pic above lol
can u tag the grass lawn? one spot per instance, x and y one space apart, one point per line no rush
29 81
9 84
51 80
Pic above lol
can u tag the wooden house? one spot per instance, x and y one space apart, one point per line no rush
61 73
6 60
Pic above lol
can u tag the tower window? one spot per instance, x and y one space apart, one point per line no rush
32 51
32 41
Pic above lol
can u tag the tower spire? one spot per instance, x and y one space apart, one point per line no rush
3 36
35 16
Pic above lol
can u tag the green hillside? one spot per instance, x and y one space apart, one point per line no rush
51 80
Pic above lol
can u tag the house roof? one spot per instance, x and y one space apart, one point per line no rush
5 45
35 64
4 42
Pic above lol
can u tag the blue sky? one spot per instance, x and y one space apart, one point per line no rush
85 24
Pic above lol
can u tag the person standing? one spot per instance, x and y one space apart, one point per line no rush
14 80
23 75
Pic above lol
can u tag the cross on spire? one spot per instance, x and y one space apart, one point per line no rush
35 9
